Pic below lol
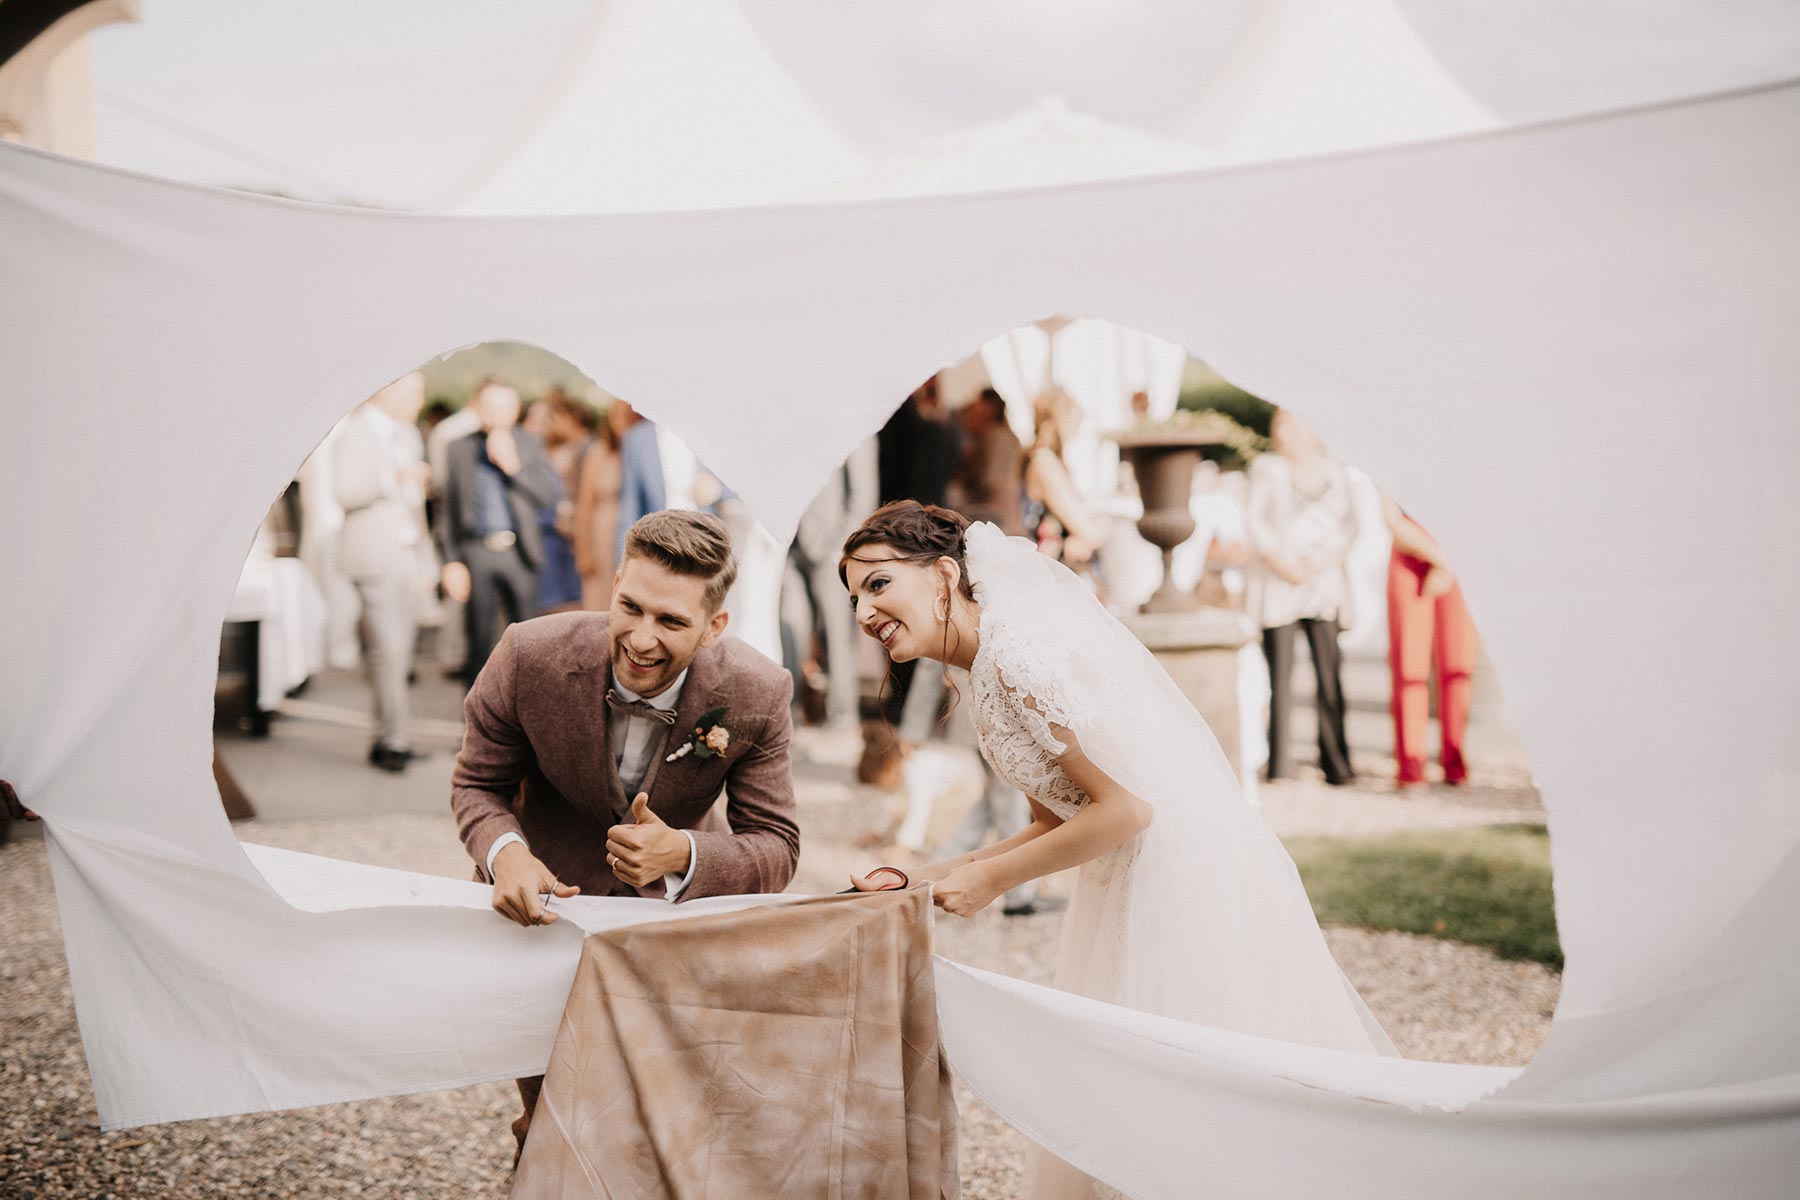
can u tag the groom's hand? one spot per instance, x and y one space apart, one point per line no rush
520 884
644 852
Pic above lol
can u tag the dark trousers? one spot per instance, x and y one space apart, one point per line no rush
502 590
1278 648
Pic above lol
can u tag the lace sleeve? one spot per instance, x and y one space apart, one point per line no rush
1032 686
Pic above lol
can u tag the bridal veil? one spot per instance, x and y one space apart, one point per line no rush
1203 916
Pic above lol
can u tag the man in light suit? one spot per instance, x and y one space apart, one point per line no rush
379 478
595 745
497 484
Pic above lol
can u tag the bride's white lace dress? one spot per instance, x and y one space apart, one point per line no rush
1202 916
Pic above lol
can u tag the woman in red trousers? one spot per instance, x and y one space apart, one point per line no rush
1428 624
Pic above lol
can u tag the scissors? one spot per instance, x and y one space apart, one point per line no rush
547 896
896 872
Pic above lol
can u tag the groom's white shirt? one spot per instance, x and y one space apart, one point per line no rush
634 740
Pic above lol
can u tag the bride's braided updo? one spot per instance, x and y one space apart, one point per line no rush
916 533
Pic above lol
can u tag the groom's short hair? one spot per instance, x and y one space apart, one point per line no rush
688 543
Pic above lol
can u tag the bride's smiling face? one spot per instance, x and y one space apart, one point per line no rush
898 602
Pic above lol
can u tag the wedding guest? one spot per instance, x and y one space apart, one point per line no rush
1428 628
917 455
918 450
595 531
932 781
754 600
435 413
642 487
568 430
554 419
447 431
320 519
1219 540
497 483
452 645
379 474
1061 522
847 497
882 765
882 761
989 484
1221 544
1301 520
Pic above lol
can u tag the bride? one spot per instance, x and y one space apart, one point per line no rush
1185 903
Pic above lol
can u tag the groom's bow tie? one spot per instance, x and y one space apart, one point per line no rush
638 708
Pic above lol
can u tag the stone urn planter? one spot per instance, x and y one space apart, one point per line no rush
1165 480
1197 646
1163 458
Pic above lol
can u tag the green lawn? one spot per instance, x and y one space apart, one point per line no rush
1486 886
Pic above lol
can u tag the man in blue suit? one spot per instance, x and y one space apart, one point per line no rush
498 482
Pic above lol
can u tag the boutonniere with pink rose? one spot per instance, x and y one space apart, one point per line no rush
710 738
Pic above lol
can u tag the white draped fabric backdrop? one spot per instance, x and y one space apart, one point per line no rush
1569 349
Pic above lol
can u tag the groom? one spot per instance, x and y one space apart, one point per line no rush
594 745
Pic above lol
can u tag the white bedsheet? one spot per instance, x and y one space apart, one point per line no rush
1570 350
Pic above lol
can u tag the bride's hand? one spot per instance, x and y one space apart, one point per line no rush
966 890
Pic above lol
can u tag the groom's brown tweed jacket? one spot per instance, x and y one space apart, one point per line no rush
536 761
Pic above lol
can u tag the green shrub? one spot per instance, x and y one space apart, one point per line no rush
1252 412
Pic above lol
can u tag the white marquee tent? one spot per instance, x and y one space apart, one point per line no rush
1516 331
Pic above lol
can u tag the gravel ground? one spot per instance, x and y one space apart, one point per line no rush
1438 1000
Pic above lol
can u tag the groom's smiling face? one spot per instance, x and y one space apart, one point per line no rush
659 621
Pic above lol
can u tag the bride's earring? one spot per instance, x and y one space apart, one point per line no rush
941 609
